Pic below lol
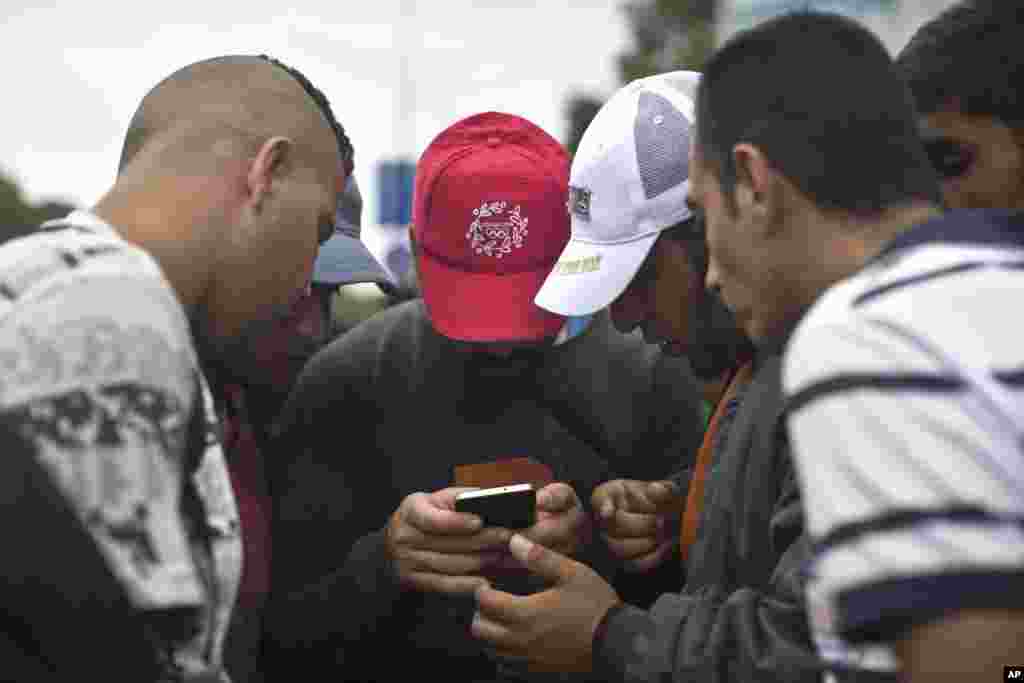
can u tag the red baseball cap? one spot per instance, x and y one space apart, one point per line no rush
490 221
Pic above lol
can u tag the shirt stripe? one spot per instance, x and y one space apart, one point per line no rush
902 519
905 381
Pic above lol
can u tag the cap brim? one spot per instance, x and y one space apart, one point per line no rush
344 260
589 276
484 307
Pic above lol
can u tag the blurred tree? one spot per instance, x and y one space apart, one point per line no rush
15 211
580 111
51 209
668 35
13 208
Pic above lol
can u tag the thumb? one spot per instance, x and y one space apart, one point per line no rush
445 498
541 561
556 498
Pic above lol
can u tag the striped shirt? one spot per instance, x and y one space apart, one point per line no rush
905 390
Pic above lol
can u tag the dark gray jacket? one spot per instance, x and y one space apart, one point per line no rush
740 616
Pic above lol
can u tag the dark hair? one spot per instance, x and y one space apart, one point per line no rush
971 52
819 95
344 144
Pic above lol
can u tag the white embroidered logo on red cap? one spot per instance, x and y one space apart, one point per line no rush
494 232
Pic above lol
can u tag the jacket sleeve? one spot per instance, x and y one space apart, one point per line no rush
66 617
757 633
332 582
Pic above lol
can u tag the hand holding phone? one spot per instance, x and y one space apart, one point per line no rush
558 520
434 549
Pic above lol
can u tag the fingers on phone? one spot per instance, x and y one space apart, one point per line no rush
441 583
431 519
452 564
491 538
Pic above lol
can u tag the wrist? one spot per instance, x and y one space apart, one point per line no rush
628 644
371 566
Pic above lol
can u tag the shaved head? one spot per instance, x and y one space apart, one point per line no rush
229 178
227 107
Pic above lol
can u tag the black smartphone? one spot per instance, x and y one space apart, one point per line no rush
511 507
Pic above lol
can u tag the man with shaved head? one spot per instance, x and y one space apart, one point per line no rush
228 181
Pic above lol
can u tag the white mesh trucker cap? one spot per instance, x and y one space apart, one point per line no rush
628 182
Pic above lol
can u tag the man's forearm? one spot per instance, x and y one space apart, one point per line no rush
965 646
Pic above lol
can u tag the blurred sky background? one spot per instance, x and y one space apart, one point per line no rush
77 71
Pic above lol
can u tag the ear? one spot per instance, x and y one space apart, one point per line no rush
269 164
756 184
753 172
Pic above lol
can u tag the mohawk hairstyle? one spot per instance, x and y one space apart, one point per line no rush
344 144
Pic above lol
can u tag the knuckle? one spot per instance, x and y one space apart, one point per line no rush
411 561
537 553
404 536
469 565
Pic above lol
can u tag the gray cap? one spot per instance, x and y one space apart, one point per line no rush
344 259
